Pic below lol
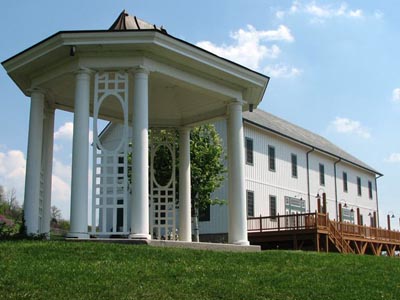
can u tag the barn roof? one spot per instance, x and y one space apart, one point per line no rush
298 134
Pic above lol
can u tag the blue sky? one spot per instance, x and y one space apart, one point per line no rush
334 69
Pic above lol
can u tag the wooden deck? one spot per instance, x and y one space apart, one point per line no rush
315 231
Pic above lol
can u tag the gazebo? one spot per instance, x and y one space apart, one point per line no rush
140 76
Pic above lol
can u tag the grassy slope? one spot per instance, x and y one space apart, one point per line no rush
61 270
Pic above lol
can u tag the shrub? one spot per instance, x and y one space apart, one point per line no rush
8 227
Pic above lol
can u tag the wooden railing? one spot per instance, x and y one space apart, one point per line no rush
353 230
321 222
283 222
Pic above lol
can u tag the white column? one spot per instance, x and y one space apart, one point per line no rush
236 194
140 157
80 157
34 163
185 223
48 141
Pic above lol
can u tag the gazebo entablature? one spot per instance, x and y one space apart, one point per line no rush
170 83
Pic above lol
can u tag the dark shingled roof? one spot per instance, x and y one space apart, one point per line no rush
288 130
127 22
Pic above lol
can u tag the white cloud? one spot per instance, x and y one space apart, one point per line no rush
378 14
320 12
282 71
347 126
396 95
65 132
393 158
12 172
249 46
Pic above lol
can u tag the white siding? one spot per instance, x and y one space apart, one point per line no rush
280 183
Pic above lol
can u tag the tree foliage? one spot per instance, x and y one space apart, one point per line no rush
207 168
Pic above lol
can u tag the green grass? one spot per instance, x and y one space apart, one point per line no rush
67 270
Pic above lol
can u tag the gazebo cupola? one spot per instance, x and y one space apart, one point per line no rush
138 75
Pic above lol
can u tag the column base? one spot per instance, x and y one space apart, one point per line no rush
139 236
241 243
78 235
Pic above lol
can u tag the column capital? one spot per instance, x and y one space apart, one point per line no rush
83 72
184 129
36 91
140 69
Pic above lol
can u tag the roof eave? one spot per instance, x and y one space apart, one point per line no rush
311 146
87 37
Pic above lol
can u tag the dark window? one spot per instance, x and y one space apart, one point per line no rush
294 165
359 186
344 182
120 167
272 206
204 213
370 189
250 203
271 158
249 151
321 174
361 220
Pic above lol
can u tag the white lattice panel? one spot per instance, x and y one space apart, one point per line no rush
162 196
110 166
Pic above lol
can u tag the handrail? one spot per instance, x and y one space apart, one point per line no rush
282 222
320 221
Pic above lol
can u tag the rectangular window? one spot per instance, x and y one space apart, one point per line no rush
249 151
370 189
361 220
294 165
321 174
205 213
272 206
250 203
345 182
271 158
359 186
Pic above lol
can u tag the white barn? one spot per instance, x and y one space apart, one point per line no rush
286 167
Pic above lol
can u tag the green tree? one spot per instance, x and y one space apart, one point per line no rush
207 169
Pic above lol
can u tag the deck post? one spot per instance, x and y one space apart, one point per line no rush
358 216
340 212
326 243
260 223
279 223
319 204
388 222
324 203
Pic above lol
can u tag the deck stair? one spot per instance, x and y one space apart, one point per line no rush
335 236
315 231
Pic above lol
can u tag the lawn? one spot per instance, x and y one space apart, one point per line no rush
66 270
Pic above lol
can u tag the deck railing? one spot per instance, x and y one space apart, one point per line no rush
321 222
284 222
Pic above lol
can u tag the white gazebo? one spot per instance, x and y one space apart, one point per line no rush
138 75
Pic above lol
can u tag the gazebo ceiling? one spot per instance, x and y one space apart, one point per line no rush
186 84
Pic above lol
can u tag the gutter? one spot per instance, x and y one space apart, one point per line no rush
336 193
308 179
376 192
309 145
